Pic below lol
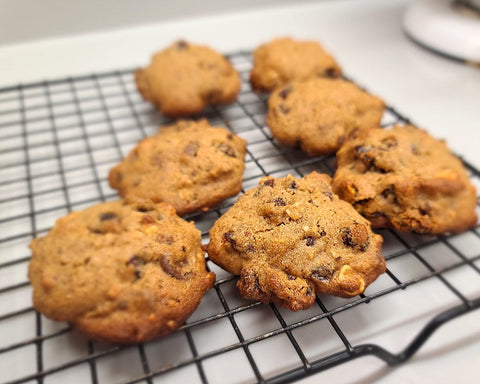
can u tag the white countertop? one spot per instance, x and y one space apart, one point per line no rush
366 37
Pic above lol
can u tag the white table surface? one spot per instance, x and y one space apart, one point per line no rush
366 37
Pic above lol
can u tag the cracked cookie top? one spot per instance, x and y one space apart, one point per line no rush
189 164
318 115
403 178
184 78
123 271
284 60
291 238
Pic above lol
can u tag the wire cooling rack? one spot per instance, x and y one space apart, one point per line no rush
58 140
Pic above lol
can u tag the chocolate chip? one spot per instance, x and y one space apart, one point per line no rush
269 183
322 233
347 237
426 209
184 249
182 44
213 96
279 202
169 268
414 149
371 164
356 236
293 185
135 260
230 136
390 142
362 201
107 216
331 72
369 161
228 150
97 231
308 292
137 263
321 274
329 195
283 109
228 237
285 92
147 219
389 193
144 207
291 277
310 241
191 148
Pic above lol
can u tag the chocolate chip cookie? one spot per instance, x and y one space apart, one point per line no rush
290 238
284 60
184 78
123 271
320 114
190 164
403 178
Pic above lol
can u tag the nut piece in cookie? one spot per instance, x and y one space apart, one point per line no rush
284 60
318 115
290 238
190 164
184 78
403 178
122 271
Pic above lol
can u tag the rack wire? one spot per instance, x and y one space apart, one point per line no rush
58 140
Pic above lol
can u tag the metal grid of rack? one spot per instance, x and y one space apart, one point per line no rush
58 140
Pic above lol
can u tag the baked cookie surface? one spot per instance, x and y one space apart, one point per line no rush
284 60
123 271
184 78
320 114
291 238
190 164
403 178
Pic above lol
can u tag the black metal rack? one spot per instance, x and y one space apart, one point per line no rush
58 140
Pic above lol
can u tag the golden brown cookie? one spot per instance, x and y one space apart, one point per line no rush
405 179
122 271
284 60
290 238
190 164
184 78
320 114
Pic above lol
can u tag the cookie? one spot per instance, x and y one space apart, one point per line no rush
291 238
403 178
190 164
320 114
184 78
122 271
284 60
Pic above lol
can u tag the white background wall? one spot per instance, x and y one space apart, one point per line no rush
22 20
